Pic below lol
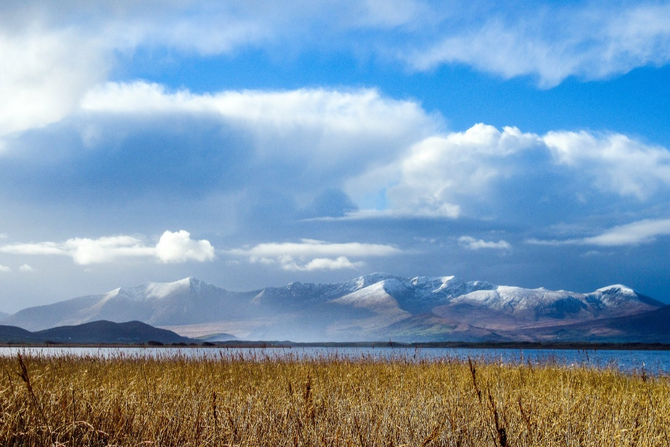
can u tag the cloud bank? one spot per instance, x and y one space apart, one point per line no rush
171 248
339 155
484 171
310 255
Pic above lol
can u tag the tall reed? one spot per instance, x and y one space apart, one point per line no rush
260 399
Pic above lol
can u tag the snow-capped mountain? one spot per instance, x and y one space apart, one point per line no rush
504 306
159 304
371 307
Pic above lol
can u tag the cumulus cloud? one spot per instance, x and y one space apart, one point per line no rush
439 171
86 251
471 243
4 269
26 268
172 247
309 254
615 162
485 169
303 144
43 76
144 139
326 127
179 247
51 56
635 233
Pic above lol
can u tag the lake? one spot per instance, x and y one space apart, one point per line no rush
628 361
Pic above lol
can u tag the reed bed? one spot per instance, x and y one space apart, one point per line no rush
262 400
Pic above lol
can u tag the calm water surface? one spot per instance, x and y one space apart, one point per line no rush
651 362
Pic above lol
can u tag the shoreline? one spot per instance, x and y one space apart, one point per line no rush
580 346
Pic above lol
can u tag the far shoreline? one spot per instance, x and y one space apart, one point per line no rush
251 344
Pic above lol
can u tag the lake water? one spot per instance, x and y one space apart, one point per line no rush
634 362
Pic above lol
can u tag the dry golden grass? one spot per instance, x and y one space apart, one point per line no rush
237 400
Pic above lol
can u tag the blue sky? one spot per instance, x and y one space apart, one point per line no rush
258 143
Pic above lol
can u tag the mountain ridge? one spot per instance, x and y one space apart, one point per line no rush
378 306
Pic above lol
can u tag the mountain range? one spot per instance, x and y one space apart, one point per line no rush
372 307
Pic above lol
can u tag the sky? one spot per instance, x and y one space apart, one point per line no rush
253 144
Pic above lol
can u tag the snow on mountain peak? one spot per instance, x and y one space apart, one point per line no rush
374 295
431 280
446 281
369 306
373 278
616 288
157 290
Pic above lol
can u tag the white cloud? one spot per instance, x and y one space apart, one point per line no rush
635 233
440 170
314 248
43 76
553 42
462 173
26 268
341 262
4 269
179 247
309 254
471 243
40 248
322 128
443 210
52 54
642 232
172 247
341 110
86 251
616 162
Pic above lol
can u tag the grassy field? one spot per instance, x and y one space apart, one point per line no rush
266 401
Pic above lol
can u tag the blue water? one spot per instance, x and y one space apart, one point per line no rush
635 362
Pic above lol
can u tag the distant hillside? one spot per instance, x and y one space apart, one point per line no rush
368 308
13 334
96 332
649 327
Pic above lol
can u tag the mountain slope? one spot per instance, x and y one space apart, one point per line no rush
504 307
181 302
13 334
649 327
371 307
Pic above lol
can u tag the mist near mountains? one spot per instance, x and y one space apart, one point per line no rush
377 307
